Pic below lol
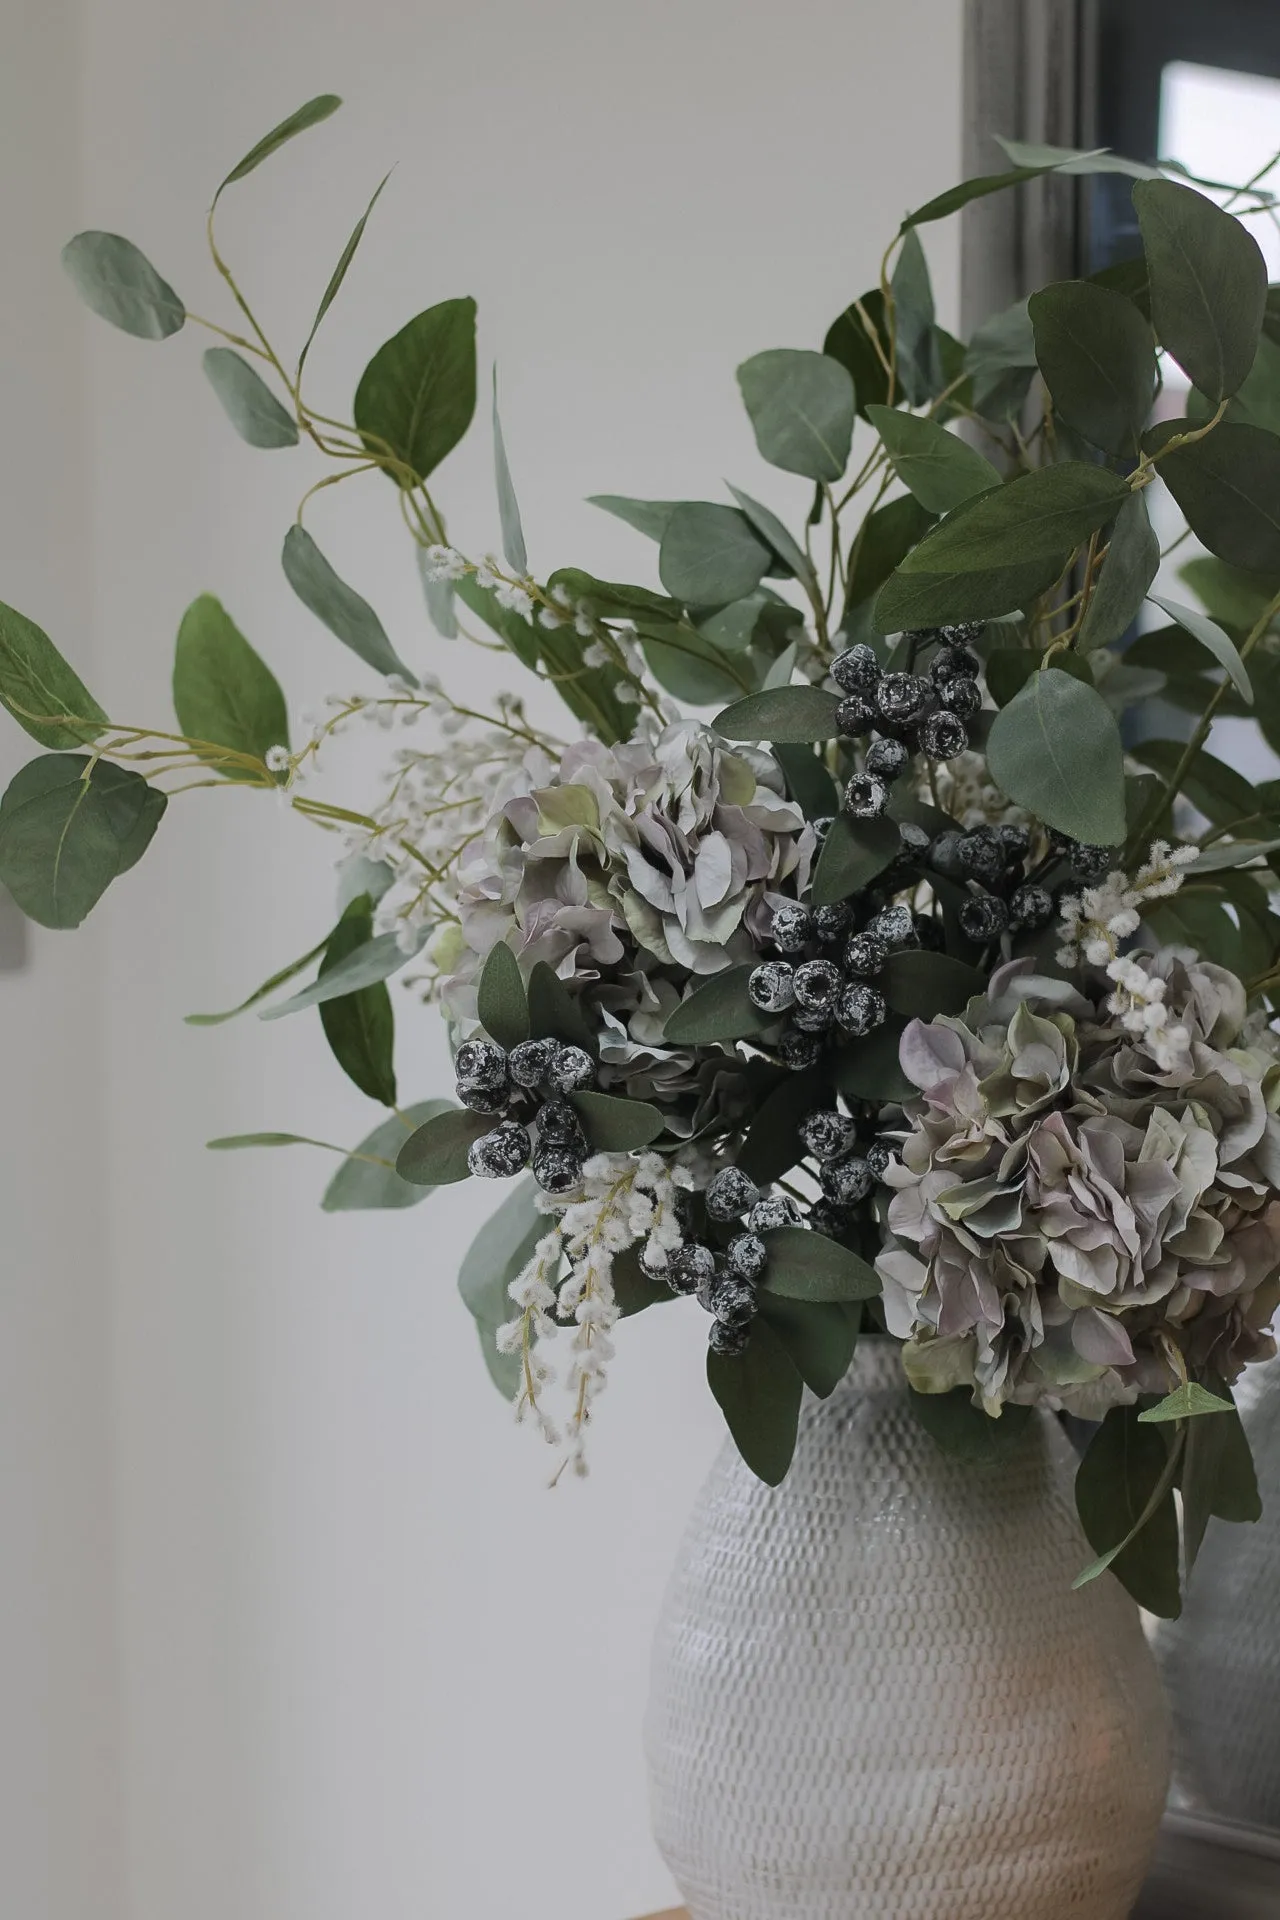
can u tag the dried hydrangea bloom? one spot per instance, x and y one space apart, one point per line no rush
1081 1190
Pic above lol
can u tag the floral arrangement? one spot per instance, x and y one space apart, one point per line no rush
920 982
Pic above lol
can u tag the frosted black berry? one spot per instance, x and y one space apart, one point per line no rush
557 1168
963 632
856 670
946 854
887 758
747 1256
981 857
830 922
954 663
982 917
827 1135
730 1194
903 699
480 1064
1090 864
771 986
895 926
485 1099
931 933
813 1019
827 1219
856 715
791 928
822 826
500 1154
727 1340
558 1121
860 1009
846 1182
865 955
531 1061
913 849
1016 842
733 1301
866 797
773 1211
800 1050
960 695
572 1069
879 1155
815 984
943 735
690 1266
1030 907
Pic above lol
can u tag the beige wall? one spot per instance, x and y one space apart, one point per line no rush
367 1664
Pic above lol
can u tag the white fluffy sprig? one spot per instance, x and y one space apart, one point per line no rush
1096 921
1138 1003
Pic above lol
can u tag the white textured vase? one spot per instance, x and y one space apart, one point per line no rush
876 1697
1221 1660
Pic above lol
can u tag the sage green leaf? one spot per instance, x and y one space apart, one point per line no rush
793 715
555 1013
1055 750
759 1393
808 782
1224 855
1208 284
801 406
853 853
819 1335
1217 1477
911 599
501 1001
264 992
1039 516
772 1145
690 666
881 543
861 352
710 555
310 114
870 1069
500 1251
937 467
1028 153
336 605
588 692
513 546
68 828
919 365
633 1290
373 960
804 1265
613 599
646 516
921 984
339 273
615 1124
359 1026
1132 562
1228 486
1080 160
417 395
1098 360
1216 790
46 697
223 694
357 874
964 1432
1233 598
1186 1402
367 1179
1257 403
718 1009
248 401
770 528
119 284
435 1154
1000 361
236 1142
1124 1476
1211 638
440 596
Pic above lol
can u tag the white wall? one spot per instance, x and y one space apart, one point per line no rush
368 1665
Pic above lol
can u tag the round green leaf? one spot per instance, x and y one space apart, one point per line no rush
718 1009
68 827
1098 359
940 469
362 1184
435 1155
819 1335
801 406
853 853
804 1265
336 605
120 284
614 1124
47 699
418 393
223 693
1208 284
1228 486
862 347
501 1001
710 555
783 542
248 401
554 1013
759 1393
794 715
1055 750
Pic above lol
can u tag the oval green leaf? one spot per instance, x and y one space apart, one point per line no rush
502 1249
417 395
373 960
1228 486
819 1336
337 606
310 114
853 853
802 407
367 1180
555 1013
759 1393
248 401
46 697
1212 639
1039 516
1208 284
940 469
224 694
435 1155
501 1001
770 528
719 1009
614 1124
921 984
1098 360
1055 750
711 555
68 827
119 283
804 1265
359 1026
797 716
1132 562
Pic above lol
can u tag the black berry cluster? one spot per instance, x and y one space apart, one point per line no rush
726 1282
1005 893
908 712
823 983
527 1092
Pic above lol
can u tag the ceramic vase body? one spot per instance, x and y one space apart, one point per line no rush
876 1697
1221 1660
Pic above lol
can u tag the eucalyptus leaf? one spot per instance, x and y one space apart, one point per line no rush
248 401
264 992
367 1180
710 555
339 273
1224 855
118 283
770 528
613 599
792 715
336 605
964 1432
918 359
614 1123
224 694
554 1013
819 1335
1055 750
869 1069
1187 1402
1212 639
646 516
922 984
1070 160
373 960
858 340
719 1008
690 666
435 1154
940 469
1008 670
513 546
1132 562
310 114
1217 1477
633 1289
804 1265
440 596
881 543
359 1026
759 1393
772 1145
1038 516
500 1251
417 395
1123 1469
1208 284
1213 788
808 782
1000 361
1098 359
1232 598
46 697
1080 160
801 406
68 827
853 853
1228 486
911 600
501 1001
